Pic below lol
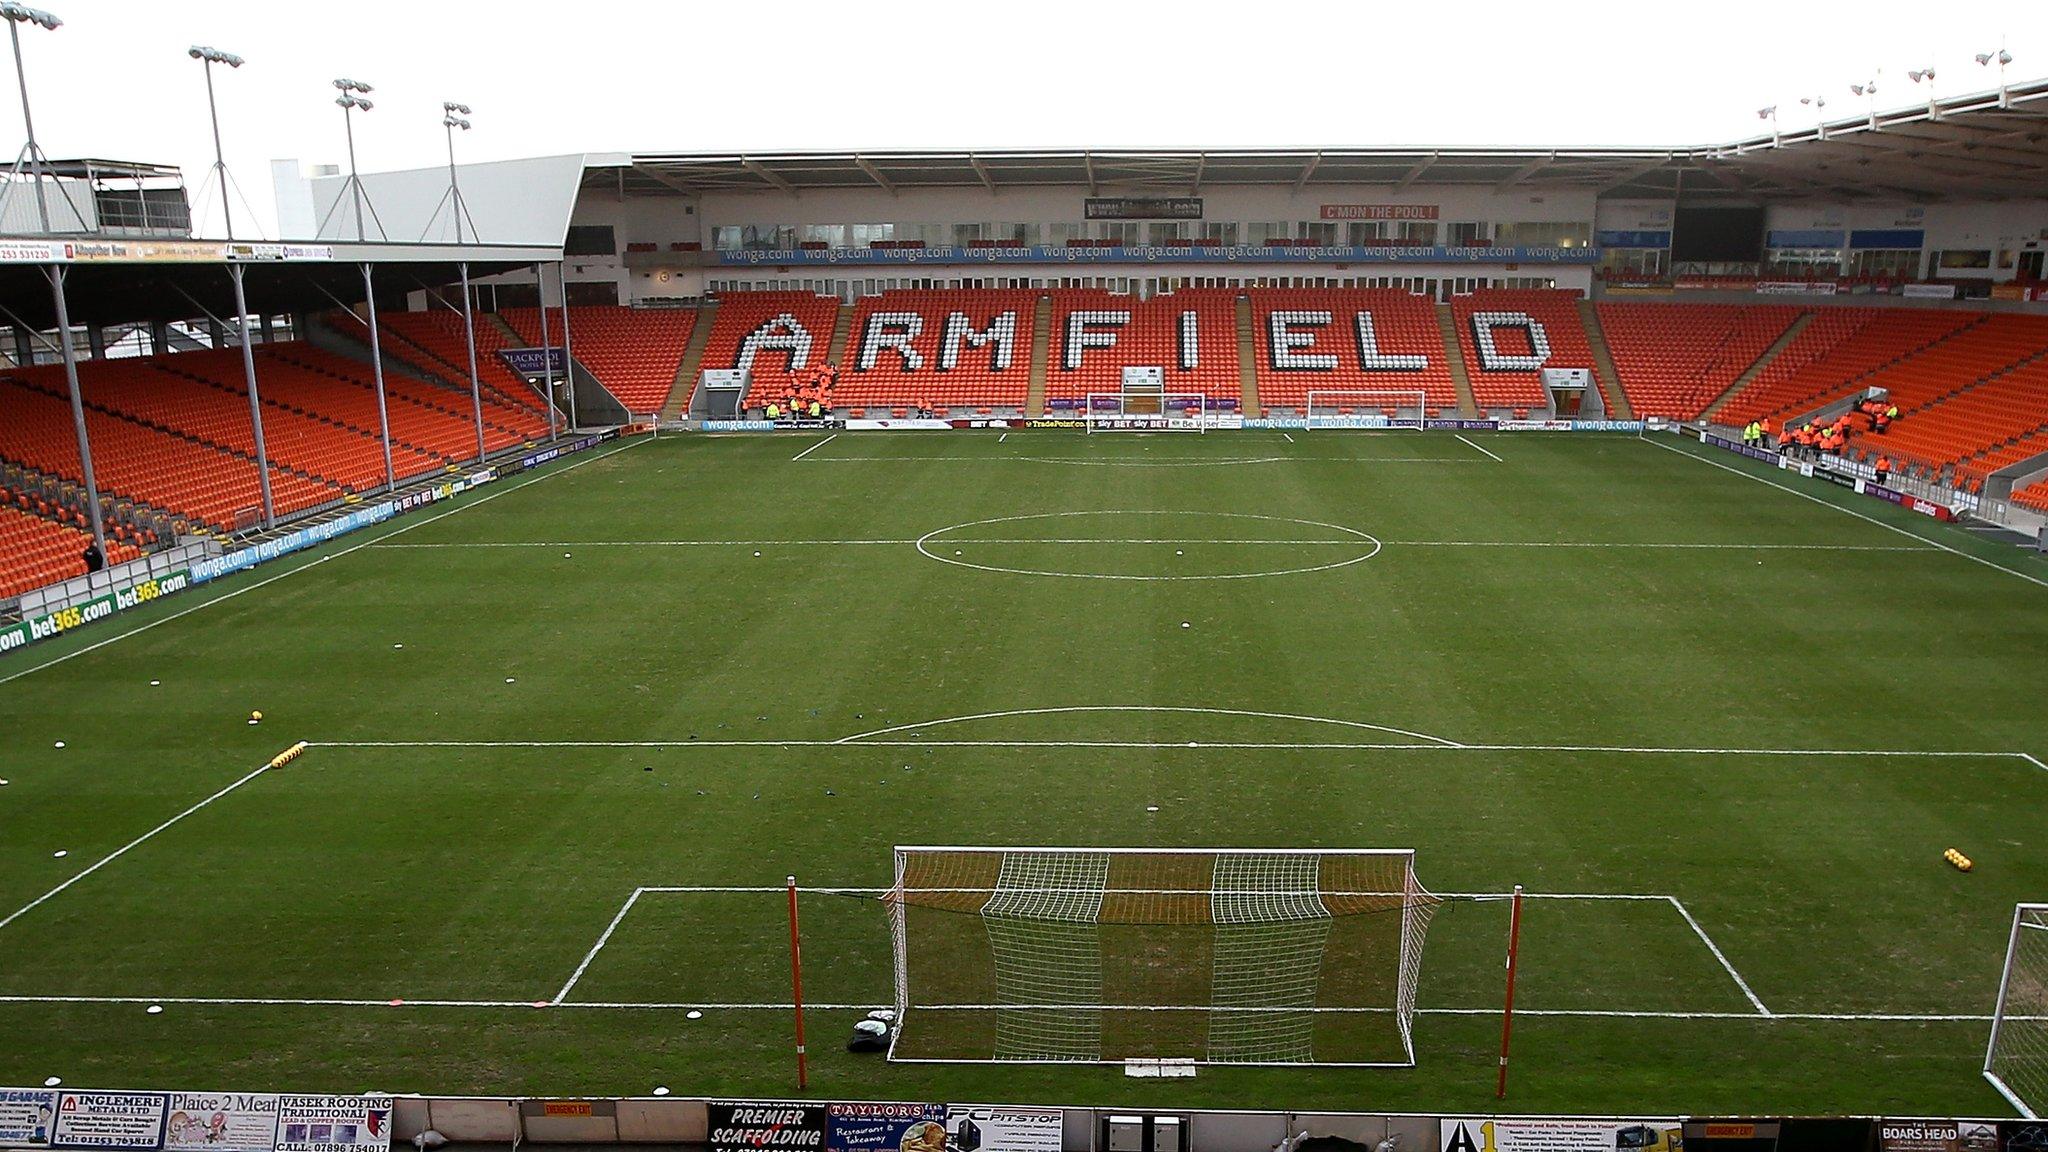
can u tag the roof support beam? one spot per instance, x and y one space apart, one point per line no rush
1631 175
1201 164
1415 173
1088 164
874 173
1307 170
988 181
1528 170
757 168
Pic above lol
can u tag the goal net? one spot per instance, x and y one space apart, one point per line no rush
1240 956
1146 412
2016 1062
1369 408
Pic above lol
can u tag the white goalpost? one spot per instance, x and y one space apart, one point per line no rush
1143 404
1107 955
1146 412
2016 1059
1367 408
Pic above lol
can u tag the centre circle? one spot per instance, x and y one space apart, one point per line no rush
1153 545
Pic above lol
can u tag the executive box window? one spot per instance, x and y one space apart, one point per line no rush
1318 233
1959 258
1215 232
1420 233
1887 263
1467 234
1545 234
1265 232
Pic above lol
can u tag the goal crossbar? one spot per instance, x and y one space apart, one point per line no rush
1223 955
1145 411
1367 408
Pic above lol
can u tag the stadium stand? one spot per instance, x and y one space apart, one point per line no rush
945 368
1972 402
200 482
433 416
1152 335
780 335
1673 360
1499 388
2034 496
437 336
633 352
1835 355
36 550
1404 324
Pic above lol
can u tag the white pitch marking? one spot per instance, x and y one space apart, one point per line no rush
1852 512
117 853
1718 955
1489 455
1286 437
1069 709
2031 759
599 946
814 447
1003 437
409 526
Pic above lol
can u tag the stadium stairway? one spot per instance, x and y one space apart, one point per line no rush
842 326
693 357
1618 406
1247 359
1454 355
1750 373
1041 352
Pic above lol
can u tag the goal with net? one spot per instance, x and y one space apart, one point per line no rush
1367 408
2016 1061
1239 956
1138 411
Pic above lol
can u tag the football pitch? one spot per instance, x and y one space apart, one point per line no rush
570 733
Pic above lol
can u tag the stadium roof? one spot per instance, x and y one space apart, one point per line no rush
121 281
1985 146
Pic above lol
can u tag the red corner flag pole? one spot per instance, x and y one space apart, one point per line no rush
1507 1014
796 983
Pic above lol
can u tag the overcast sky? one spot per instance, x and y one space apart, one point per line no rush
612 75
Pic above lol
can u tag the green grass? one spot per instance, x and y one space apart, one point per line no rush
472 873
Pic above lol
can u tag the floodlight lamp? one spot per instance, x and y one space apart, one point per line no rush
2004 57
214 56
23 14
455 122
1918 75
1767 113
453 108
1983 57
347 85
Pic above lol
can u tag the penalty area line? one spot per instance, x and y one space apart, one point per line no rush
814 448
1726 966
1489 455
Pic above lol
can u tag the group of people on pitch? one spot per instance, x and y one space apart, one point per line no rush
808 397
